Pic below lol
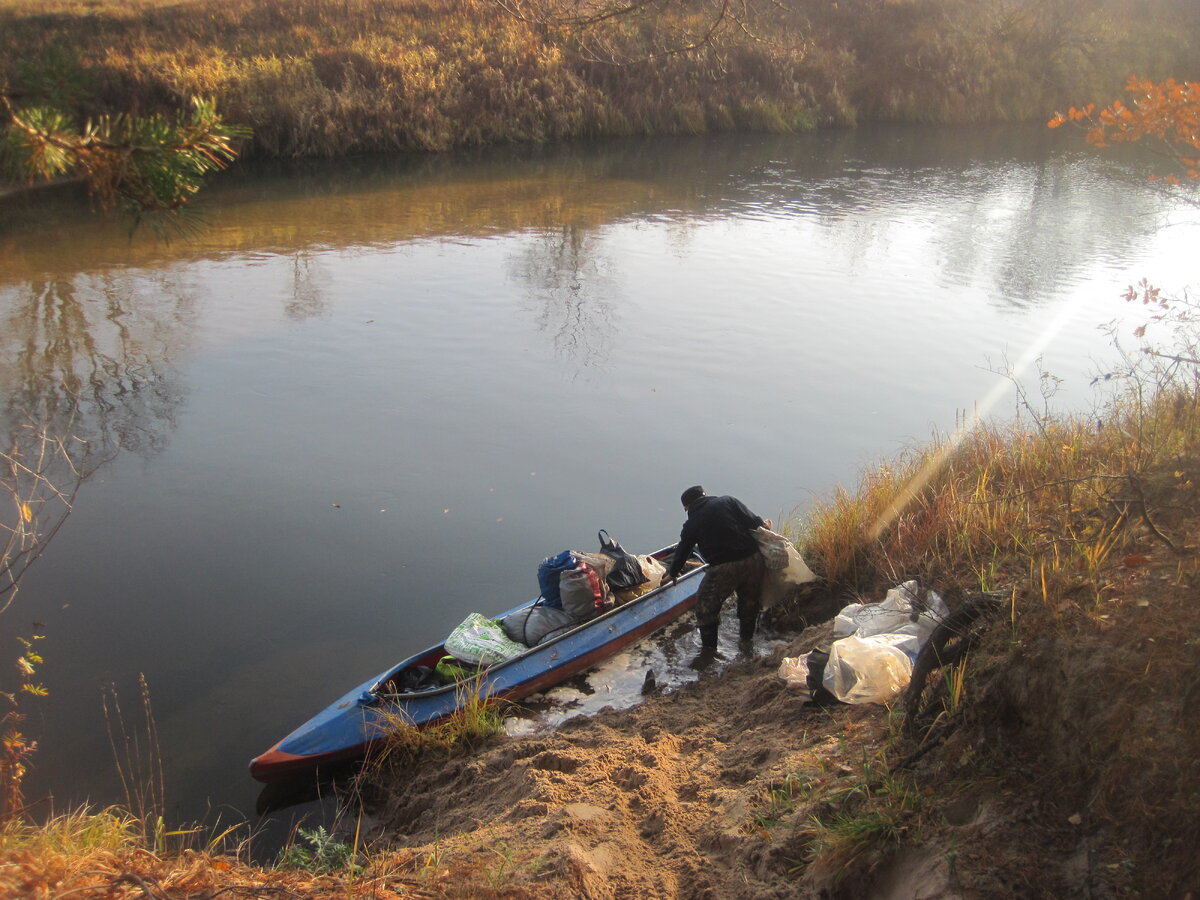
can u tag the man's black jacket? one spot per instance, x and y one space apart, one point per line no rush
721 527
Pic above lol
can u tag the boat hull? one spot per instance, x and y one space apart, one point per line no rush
349 727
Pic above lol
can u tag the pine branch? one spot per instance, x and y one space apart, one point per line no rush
146 164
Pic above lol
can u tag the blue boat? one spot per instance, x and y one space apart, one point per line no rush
348 728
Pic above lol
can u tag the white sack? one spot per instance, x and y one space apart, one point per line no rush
894 614
868 669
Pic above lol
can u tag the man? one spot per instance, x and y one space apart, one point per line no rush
723 529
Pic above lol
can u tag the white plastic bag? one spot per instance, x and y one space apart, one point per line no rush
480 640
652 569
870 669
871 658
794 671
786 568
894 614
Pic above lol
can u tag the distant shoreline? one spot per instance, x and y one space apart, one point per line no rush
16 190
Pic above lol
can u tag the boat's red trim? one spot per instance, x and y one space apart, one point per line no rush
277 764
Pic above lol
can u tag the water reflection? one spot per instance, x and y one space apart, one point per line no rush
1029 229
574 293
309 286
997 202
86 373
91 356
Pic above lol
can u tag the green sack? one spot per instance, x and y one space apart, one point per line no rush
451 670
480 640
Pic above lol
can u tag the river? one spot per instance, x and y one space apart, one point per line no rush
367 397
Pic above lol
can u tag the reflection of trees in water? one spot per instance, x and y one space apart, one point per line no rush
92 357
1031 230
999 208
998 204
40 473
85 370
307 290
1020 231
572 292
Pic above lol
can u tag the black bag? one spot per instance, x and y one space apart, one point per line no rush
816 678
626 571
417 678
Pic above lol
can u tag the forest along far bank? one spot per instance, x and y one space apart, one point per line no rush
350 77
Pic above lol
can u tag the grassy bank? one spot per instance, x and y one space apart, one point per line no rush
1041 503
338 77
1068 716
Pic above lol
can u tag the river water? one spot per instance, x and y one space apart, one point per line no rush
368 397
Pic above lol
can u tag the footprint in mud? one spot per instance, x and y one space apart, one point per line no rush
529 808
653 824
627 778
550 761
689 746
524 750
760 758
737 774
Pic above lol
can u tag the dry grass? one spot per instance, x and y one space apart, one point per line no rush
477 719
1048 501
90 852
1070 715
338 77
94 854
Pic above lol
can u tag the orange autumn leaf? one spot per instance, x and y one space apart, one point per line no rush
1167 112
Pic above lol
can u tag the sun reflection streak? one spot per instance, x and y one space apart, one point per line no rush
1002 386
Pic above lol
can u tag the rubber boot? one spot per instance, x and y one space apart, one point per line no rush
708 636
746 628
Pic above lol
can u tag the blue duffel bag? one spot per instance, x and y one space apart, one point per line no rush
549 570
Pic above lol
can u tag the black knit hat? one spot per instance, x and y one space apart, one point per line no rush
691 495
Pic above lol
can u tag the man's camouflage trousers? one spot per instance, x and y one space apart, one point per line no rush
743 576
